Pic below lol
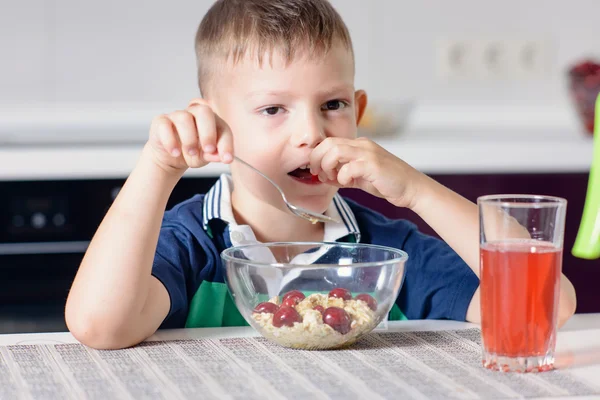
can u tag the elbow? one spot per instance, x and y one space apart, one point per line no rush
97 331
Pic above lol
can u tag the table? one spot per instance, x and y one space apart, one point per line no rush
578 345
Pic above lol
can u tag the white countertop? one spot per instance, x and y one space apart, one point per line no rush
578 342
432 154
580 325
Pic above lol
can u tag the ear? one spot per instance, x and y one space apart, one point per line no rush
360 104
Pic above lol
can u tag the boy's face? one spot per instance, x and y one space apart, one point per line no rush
278 114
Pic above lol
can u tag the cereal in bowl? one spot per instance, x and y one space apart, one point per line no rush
319 321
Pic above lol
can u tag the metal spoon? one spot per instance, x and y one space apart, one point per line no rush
299 211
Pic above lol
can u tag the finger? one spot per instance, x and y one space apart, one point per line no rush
225 141
323 148
350 172
165 132
206 127
225 146
337 156
328 178
188 136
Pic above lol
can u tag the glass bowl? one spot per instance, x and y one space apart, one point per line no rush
314 295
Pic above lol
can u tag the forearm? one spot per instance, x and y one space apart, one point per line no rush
113 281
567 301
454 218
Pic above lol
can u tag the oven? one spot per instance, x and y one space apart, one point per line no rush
45 228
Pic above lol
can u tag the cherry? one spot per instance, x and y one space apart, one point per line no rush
319 309
338 319
314 178
295 294
286 316
266 307
371 302
341 293
291 301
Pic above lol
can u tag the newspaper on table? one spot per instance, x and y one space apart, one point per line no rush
388 365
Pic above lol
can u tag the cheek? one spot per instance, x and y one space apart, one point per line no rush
267 159
264 155
259 148
343 126
254 184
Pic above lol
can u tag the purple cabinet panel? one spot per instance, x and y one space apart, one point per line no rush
584 274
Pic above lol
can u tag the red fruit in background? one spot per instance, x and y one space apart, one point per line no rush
341 293
266 307
585 87
589 125
286 316
338 319
592 81
319 309
371 302
584 68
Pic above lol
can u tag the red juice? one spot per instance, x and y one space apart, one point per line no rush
520 284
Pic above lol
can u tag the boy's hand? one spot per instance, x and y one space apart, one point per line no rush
363 164
189 138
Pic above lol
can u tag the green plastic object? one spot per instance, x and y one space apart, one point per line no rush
587 244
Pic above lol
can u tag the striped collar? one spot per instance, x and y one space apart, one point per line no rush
217 205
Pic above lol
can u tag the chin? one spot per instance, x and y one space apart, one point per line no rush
318 204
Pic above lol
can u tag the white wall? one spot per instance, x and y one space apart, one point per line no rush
115 53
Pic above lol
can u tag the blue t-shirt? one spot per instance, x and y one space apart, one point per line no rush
438 284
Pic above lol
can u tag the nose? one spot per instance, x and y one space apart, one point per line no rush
309 131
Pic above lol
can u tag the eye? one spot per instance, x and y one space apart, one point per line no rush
270 111
334 105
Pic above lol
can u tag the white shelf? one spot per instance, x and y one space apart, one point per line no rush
104 140
429 154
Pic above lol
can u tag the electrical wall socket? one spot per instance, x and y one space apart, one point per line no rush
531 58
493 58
455 58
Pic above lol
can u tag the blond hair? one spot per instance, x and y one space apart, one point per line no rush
233 29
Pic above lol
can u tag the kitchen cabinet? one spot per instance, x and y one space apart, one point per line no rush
38 264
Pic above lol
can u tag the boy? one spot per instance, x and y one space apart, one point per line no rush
277 80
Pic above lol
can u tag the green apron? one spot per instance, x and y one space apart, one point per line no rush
212 306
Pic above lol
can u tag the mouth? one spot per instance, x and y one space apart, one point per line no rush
303 175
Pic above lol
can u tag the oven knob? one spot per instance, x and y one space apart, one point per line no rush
38 220
58 220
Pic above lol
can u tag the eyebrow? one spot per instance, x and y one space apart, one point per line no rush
324 93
